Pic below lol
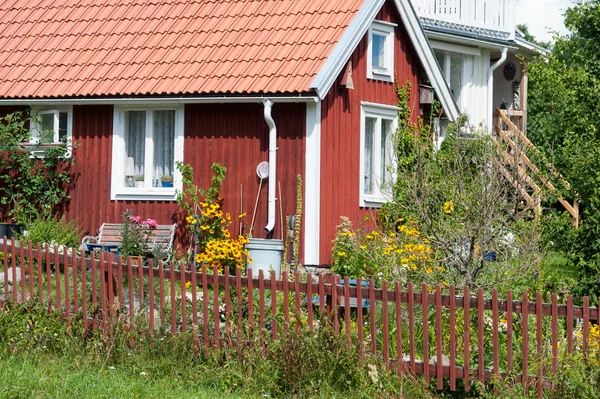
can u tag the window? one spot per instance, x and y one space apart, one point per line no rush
380 51
147 142
54 126
377 160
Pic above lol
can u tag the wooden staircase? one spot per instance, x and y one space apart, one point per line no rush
518 168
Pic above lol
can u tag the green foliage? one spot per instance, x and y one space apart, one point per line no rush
54 231
460 203
564 122
30 187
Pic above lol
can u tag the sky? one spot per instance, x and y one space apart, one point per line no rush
542 17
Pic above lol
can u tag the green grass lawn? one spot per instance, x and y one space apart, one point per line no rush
48 376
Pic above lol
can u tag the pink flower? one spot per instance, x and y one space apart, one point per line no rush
151 223
135 219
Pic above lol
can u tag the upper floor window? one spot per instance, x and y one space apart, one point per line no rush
147 142
378 158
380 51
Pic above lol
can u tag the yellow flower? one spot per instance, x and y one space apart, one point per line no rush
448 207
341 253
188 285
242 215
363 247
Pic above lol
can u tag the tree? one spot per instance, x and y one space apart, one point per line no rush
564 122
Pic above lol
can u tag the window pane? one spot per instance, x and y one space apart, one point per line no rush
136 139
62 127
456 81
369 155
164 143
47 128
378 51
386 155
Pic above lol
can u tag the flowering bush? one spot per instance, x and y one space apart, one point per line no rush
209 225
135 235
400 255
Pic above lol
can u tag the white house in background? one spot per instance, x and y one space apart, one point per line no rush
477 46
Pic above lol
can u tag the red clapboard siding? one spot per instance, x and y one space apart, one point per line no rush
235 135
90 203
340 129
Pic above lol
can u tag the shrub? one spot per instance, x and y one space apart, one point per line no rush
53 230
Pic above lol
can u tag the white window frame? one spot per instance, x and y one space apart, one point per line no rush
386 73
119 190
36 133
379 112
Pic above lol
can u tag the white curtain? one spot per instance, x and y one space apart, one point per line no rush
368 165
164 143
386 155
136 139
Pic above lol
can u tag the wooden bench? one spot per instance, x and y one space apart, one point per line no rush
109 238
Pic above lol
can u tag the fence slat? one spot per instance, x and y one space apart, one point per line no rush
183 298
30 264
425 324
13 262
525 341
22 264
173 303
119 282
554 333
480 342
297 298
509 331
570 323
83 289
384 311
347 309
40 270
140 271
205 309
194 302
586 325
466 338
496 368
372 316
261 294
49 282
273 305
334 302
151 295
439 373
102 292
130 289
216 317
286 301
56 275
227 302
452 338
411 327
359 317
539 302
66 264
75 276
398 306
5 260
250 307
321 294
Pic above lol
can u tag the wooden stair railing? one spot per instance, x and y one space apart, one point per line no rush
519 159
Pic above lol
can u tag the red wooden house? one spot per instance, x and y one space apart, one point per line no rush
151 83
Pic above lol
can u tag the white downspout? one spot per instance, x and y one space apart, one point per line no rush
490 87
272 165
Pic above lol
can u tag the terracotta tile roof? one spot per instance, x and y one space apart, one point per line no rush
68 48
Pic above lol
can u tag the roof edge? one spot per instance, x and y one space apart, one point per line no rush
357 29
345 47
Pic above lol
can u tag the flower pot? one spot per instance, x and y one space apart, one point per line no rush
167 183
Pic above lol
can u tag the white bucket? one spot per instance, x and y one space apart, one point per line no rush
266 256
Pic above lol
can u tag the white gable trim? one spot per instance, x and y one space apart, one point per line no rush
356 31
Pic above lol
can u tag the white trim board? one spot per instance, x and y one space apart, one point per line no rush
312 185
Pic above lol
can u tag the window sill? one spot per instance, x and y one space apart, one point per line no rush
145 194
373 202
383 76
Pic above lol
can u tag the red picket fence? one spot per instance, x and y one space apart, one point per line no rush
417 330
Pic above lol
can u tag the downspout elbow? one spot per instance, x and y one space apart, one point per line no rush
490 85
272 165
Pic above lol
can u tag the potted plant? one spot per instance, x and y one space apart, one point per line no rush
167 181
139 180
